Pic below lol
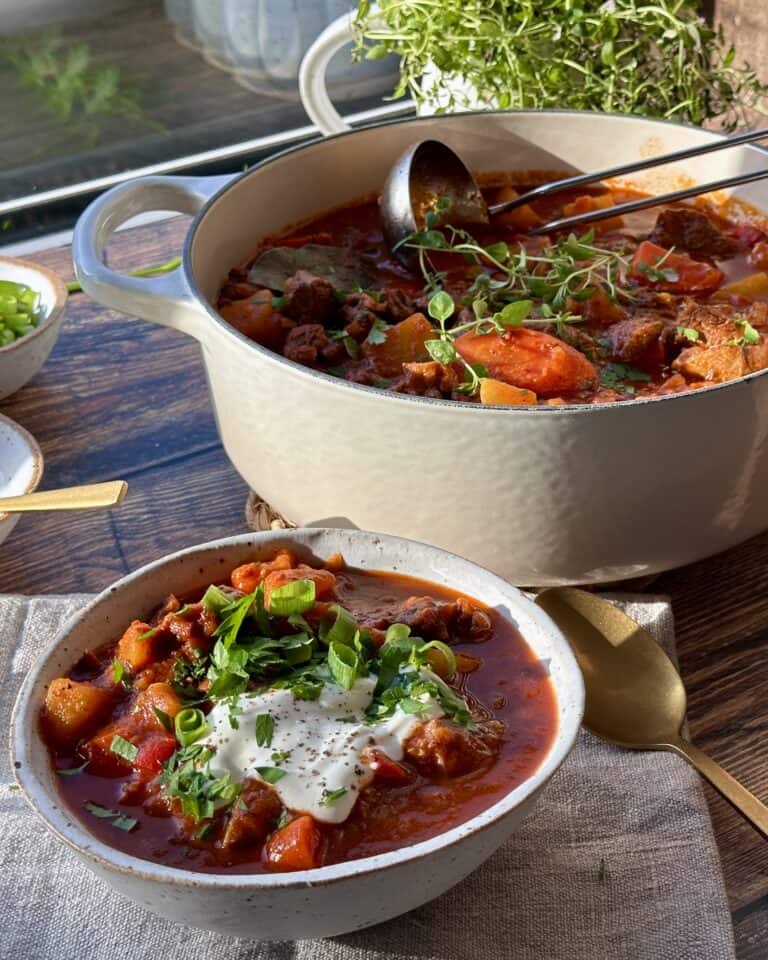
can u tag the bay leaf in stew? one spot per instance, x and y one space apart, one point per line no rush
345 269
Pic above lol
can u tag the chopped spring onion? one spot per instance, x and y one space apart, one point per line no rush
190 725
19 311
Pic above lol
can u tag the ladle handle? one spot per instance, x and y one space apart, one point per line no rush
738 796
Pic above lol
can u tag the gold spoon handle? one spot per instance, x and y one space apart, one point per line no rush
742 799
89 497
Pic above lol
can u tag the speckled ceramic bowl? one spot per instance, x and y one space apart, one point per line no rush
21 360
21 468
331 900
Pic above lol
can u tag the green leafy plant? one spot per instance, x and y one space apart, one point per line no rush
85 97
657 59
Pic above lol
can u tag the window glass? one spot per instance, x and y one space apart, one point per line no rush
94 90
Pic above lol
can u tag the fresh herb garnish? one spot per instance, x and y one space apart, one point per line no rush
690 333
73 771
270 774
120 674
265 728
123 748
279 756
187 776
164 719
119 820
297 596
378 332
749 336
614 376
330 797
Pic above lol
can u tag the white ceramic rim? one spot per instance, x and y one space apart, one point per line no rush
60 294
115 860
565 409
38 460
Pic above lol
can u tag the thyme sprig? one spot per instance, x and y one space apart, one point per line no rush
656 59
513 286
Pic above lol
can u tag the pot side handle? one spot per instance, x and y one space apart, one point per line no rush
166 299
312 85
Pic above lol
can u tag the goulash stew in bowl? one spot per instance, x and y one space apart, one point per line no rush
664 301
294 716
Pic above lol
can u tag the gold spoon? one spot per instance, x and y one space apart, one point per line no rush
634 695
91 496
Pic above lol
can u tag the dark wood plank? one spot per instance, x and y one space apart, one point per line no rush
124 398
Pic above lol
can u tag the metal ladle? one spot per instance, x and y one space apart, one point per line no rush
430 170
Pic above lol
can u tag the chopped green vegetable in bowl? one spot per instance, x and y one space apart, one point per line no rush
32 300
19 311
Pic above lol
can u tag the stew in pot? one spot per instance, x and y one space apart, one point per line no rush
295 716
661 302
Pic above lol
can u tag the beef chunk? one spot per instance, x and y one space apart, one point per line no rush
715 323
359 312
693 232
254 819
630 339
399 305
309 344
721 363
309 299
456 621
441 748
430 379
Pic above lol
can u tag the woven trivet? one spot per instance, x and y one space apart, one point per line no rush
260 516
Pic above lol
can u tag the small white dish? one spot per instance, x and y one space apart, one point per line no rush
21 467
21 360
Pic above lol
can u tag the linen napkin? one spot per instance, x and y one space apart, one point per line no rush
617 862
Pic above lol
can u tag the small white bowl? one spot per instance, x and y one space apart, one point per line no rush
21 360
21 467
310 903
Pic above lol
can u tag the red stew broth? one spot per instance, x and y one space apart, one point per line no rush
511 685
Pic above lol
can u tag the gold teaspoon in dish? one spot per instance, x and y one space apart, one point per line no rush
635 697
92 496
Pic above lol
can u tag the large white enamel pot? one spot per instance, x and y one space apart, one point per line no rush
541 495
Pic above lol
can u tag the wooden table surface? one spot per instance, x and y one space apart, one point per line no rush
120 398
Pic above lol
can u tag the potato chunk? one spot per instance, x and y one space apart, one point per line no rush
404 344
73 709
134 652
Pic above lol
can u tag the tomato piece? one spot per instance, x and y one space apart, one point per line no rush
530 360
296 846
673 272
386 770
153 753
748 235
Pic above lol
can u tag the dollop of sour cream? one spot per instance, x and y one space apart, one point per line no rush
319 745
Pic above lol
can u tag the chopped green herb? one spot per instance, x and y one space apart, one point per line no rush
614 376
187 776
749 336
378 332
125 823
689 333
101 812
147 634
279 756
216 599
123 748
270 774
73 771
265 728
120 674
163 717
330 797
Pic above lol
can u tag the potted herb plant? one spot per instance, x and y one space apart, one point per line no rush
657 59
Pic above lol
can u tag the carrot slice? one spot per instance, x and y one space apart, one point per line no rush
530 360
295 846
